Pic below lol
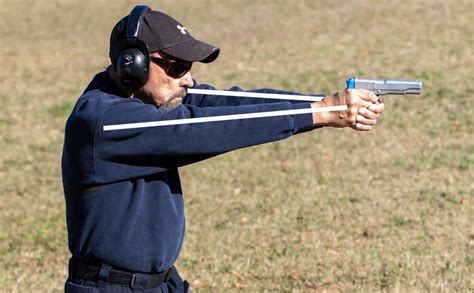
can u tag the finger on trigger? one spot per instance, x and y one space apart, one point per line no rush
370 96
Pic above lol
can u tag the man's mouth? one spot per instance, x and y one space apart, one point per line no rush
175 100
178 95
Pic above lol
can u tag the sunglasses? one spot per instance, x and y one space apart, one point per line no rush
174 68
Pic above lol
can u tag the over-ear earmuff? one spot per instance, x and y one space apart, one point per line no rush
131 57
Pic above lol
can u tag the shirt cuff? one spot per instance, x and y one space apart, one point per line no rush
303 122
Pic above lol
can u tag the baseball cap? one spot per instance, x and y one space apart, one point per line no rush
163 33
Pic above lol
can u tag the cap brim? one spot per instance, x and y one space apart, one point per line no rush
193 51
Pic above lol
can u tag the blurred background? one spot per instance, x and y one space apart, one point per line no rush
332 209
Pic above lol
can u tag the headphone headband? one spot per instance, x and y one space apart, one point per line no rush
134 21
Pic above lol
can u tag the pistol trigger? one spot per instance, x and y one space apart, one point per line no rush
381 98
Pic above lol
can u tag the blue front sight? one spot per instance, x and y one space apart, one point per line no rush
350 83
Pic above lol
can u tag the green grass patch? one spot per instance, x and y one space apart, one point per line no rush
449 157
9 250
231 77
439 198
469 261
188 263
429 75
349 199
398 221
62 110
461 115
44 233
4 121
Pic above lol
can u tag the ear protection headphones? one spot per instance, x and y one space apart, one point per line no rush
131 57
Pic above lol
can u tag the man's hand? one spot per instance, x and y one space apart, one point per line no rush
363 110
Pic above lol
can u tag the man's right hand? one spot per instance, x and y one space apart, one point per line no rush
363 110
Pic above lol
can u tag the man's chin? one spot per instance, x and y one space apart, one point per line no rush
176 101
172 103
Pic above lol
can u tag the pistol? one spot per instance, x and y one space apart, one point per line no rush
382 87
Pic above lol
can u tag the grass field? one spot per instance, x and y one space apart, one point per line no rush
390 210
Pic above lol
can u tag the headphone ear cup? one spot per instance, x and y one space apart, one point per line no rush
130 56
132 68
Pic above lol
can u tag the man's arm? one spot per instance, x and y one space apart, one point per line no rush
355 98
209 100
124 154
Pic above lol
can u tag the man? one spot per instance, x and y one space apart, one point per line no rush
123 195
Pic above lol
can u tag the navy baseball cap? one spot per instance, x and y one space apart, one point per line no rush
163 33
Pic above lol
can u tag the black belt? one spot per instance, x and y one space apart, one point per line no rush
80 270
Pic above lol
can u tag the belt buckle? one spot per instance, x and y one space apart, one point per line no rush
132 282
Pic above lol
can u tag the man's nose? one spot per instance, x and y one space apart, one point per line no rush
186 80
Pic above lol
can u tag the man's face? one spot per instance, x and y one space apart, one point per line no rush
163 90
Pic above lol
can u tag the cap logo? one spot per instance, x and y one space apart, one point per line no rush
182 29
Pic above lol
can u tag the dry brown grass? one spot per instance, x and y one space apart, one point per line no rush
388 210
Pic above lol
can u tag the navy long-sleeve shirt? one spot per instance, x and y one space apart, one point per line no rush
124 202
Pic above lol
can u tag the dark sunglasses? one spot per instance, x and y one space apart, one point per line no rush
174 68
